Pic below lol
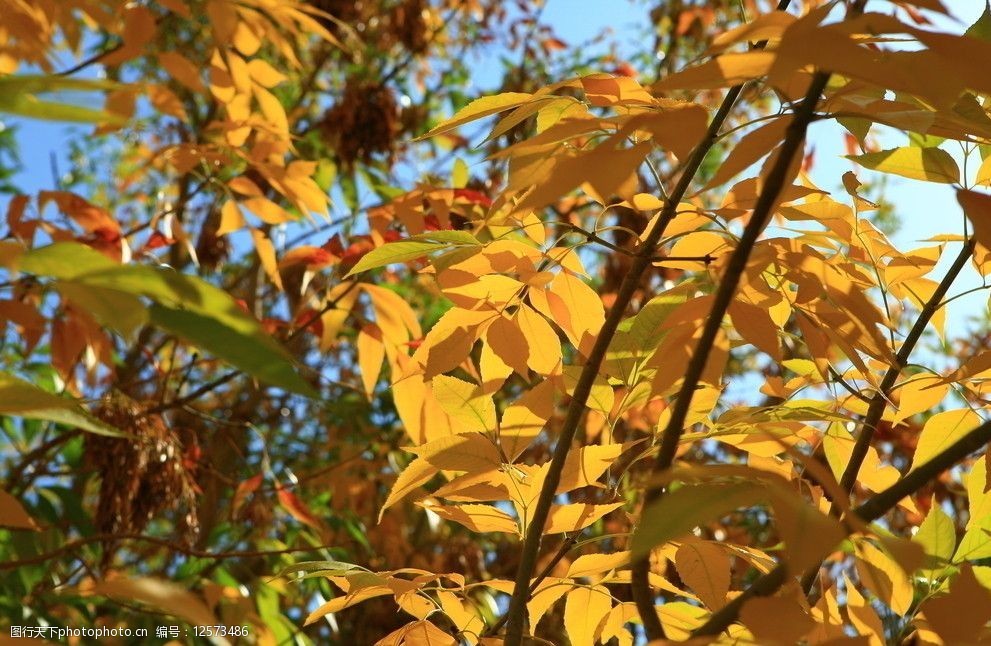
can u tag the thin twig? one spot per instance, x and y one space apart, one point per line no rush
868 512
735 268
583 388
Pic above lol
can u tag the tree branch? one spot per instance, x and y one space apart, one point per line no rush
880 398
735 268
868 512
579 398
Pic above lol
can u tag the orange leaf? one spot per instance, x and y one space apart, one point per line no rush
297 509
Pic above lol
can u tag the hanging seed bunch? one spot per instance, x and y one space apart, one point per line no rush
141 477
408 23
363 123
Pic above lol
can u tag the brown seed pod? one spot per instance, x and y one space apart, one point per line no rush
363 123
409 25
141 476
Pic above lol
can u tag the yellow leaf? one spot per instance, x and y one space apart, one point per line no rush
696 244
477 518
416 604
546 595
416 474
705 568
592 564
264 74
605 90
584 466
471 452
476 487
677 128
371 354
268 211
960 616
756 327
266 254
492 369
466 404
764 27
679 619
583 311
575 516
614 627
275 114
928 164
942 430
393 314
776 620
245 186
164 596
345 601
862 615
239 73
723 71
883 577
221 83
480 108
544 348
750 149
524 419
809 534
977 206
468 623
508 343
937 534
584 610
614 167
459 174
984 173
917 394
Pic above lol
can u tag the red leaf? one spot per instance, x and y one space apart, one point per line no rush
297 509
157 240
244 489
475 197
625 69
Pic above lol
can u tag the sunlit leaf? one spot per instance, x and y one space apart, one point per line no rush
929 164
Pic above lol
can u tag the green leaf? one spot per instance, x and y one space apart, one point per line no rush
19 398
480 108
17 96
255 353
976 541
678 512
322 568
927 164
64 260
393 252
942 430
459 174
937 534
117 310
184 302
450 236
